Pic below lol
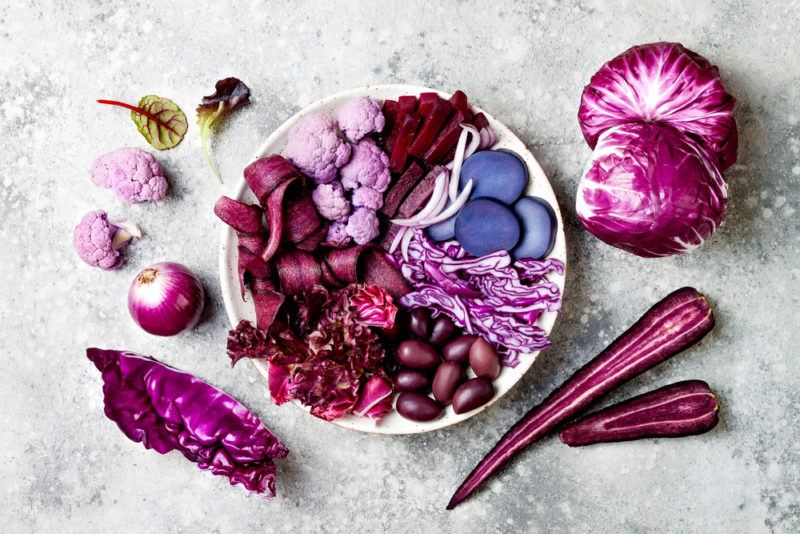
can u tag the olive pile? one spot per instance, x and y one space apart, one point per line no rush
436 359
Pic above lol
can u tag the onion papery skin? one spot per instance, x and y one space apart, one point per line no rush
166 299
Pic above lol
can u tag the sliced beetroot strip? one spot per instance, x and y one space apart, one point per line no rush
425 102
406 129
266 174
312 241
267 302
460 101
301 218
447 138
328 279
682 409
275 217
390 110
245 218
431 126
407 104
298 271
253 264
401 188
480 121
255 243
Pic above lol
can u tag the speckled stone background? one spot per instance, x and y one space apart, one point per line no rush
66 468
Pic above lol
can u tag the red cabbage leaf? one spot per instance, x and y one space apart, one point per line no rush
166 409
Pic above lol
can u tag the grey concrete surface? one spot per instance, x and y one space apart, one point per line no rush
65 468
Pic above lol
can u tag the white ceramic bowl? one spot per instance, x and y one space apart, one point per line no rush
237 309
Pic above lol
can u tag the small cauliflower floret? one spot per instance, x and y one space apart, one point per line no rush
366 197
133 174
362 226
331 202
369 167
359 117
314 147
337 235
98 240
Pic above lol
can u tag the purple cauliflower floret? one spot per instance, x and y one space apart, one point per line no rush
133 174
331 202
337 235
359 117
98 240
369 167
362 226
366 197
314 146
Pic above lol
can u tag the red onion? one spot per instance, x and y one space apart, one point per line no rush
166 299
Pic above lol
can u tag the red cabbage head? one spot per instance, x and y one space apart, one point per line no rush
651 190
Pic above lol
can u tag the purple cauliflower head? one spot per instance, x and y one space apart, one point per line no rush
369 167
98 240
331 202
133 174
359 117
362 226
337 235
314 147
366 197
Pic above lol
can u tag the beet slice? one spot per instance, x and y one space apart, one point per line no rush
480 121
407 104
447 138
674 324
401 188
425 102
682 409
390 110
267 302
432 124
365 264
460 101
301 218
420 195
406 128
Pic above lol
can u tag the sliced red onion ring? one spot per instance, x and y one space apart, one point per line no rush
439 191
460 156
451 210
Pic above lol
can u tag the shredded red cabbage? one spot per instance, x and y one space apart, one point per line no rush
489 296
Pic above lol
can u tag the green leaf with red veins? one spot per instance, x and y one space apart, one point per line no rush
160 121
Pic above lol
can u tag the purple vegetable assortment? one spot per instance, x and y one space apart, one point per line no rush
395 264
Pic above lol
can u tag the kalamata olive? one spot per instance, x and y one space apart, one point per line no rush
483 359
472 394
412 380
458 349
419 322
418 407
447 378
443 330
417 355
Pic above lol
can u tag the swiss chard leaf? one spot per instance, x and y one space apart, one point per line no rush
229 93
158 119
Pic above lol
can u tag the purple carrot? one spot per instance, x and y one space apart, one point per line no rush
675 323
681 409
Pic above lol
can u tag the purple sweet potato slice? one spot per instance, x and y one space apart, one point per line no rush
447 138
401 188
406 129
681 409
674 324
431 126
419 196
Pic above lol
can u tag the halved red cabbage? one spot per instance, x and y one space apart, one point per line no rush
166 409
651 190
666 83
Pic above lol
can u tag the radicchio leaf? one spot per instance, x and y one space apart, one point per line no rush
166 409
229 93
375 400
